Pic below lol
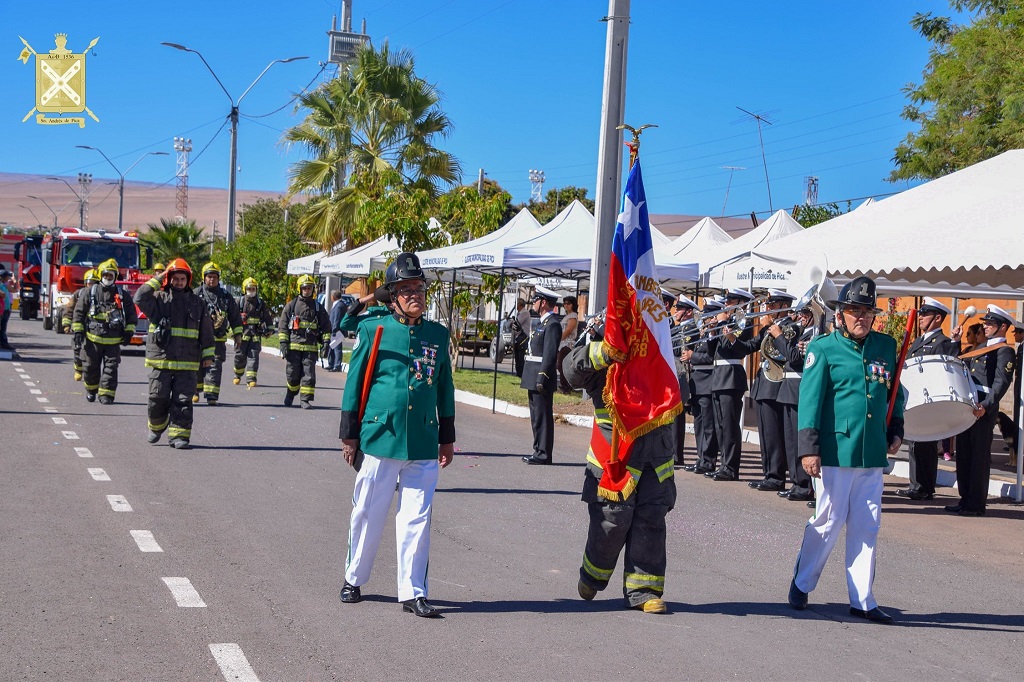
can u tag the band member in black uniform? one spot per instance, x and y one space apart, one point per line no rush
765 392
684 337
728 383
924 456
702 362
540 378
791 343
991 368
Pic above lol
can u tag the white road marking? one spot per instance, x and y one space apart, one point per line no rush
49 409
15 364
118 503
34 391
59 420
70 435
99 475
83 452
43 400
30 383
232 662
183 593
144 539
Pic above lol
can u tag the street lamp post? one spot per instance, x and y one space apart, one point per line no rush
38 221
81 199
233 116
120 179
30 196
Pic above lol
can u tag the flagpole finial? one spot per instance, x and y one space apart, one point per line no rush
634 144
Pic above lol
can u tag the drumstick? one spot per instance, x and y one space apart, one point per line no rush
911 320
969 312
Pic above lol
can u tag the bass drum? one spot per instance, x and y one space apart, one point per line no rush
940 397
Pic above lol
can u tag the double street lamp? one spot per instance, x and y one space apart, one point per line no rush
120 179
84 180
234 127
48 207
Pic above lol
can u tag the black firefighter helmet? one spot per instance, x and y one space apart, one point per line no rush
405 267
858 291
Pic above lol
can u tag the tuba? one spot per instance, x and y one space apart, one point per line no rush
773 364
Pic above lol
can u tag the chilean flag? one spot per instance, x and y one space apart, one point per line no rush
642 390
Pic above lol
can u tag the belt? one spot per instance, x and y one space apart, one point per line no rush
533 358
722 363
981 389
792 375
705 368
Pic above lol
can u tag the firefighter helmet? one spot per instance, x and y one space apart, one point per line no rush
91 276
306 281
109 265
178 265
249 282
405 267
858 291
211 268
159 267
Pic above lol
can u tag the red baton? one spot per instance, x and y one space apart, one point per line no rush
911 321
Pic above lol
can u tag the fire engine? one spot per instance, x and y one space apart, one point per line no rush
68 252
28 259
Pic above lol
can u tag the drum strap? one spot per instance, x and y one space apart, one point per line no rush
982 351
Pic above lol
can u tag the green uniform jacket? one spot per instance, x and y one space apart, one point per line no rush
844 395
411 405
352 318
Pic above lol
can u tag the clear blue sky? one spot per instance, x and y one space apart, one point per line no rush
521 81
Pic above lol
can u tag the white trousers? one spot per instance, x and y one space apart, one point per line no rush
850 497
371 499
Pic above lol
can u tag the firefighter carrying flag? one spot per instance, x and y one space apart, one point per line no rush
630 375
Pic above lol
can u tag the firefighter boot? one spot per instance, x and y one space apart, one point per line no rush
195 398
90 396
251 385
289 398
236 380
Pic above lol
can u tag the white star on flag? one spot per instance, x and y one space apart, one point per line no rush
630 217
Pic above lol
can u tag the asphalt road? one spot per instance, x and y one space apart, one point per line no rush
252 527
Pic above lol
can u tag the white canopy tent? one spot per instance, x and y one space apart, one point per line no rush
729 265
305 265
358 261
688 248
961 230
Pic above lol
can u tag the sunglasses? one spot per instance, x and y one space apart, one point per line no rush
409 292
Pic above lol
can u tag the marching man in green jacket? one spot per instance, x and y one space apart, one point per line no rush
397 426
848 378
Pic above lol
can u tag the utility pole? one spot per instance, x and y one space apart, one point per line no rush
810 190
84 181
480 183
609 154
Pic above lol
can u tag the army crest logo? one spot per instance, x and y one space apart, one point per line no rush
60 83
809 361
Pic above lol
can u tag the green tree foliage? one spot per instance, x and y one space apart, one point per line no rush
812 215
378 121
262 249
970 103
171 239
554 201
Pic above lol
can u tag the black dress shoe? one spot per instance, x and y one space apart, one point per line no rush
722 476
797 597
784 493
533 459
810 505
754 484
800 497
875 615
766 486
914 494
690 467
350 594
971 512
421 607
954 508
703 471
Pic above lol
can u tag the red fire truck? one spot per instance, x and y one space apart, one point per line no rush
28 260
68 252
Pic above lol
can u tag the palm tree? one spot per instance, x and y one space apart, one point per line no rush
378 121
171 239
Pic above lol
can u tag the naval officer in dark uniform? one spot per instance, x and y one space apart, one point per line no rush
685 334
924 456
728 383
791 343
991 367
702 363
540 377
